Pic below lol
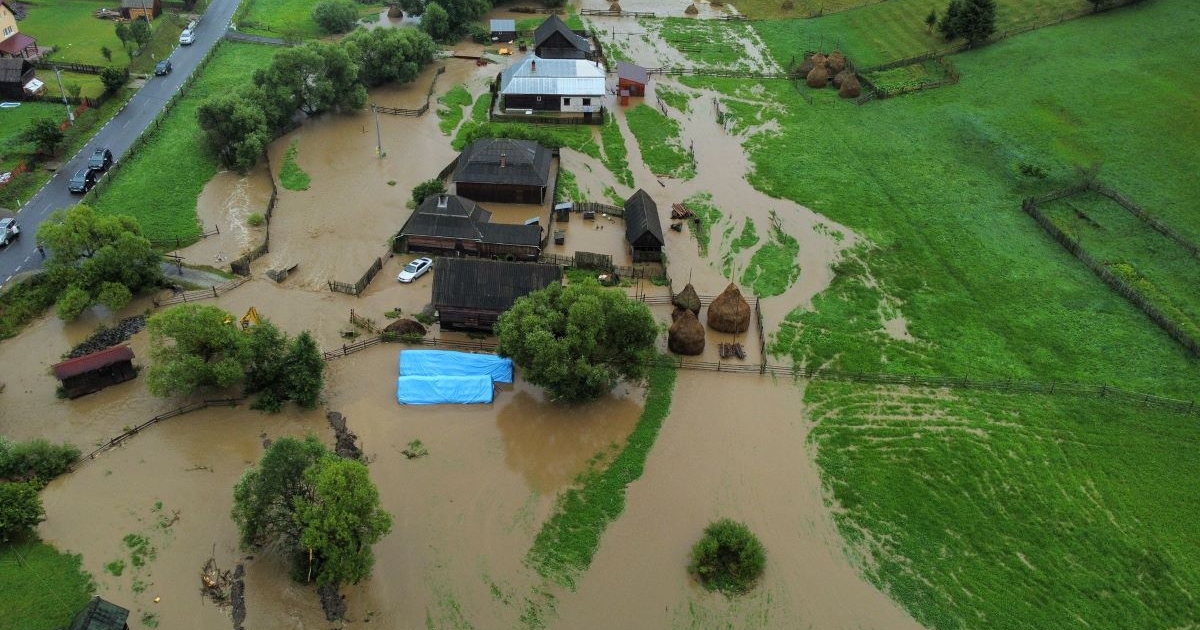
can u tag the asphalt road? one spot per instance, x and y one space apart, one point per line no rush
118 135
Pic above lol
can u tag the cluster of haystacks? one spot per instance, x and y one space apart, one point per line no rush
729 313
820 70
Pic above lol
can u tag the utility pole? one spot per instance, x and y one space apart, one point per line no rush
378 134
70 114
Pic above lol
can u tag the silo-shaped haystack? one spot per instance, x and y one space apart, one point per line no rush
691 10
686 335
394 11
840 77
836 62
850 87
688 299
677 312
729 312
819 60
616 6
405 327
806 66
818 77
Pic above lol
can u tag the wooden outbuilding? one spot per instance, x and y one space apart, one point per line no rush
503 30
15 74
504 171
134 9
631 79
93 372
451 225
553 40
471 294
643 230
101 614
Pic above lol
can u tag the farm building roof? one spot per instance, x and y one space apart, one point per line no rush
93 361
448 216
641 218
554 24
13 69
488 284
508 234
17 43
137 4
504 26
100 615
504 161
631 72
556 77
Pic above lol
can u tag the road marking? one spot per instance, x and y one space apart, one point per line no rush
17 269
27 258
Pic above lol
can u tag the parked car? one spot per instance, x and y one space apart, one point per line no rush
101 159
83 181
415 269
163 68
8 231
187 37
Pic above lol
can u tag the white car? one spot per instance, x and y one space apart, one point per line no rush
8 231
415 269
187 37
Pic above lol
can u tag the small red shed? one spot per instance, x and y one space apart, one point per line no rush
93 372
632 78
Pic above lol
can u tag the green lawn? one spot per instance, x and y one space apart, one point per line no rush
454 100
175 152
13 123
71 25
663 151
289 18
40 588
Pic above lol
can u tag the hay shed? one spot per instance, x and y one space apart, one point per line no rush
818 77
686 335
729 312
687 298
850 87
93 372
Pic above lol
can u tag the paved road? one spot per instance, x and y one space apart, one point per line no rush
117 135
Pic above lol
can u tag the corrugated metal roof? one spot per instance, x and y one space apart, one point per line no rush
93 361
554 77
488 284
504 26
632 72
641 218
526 163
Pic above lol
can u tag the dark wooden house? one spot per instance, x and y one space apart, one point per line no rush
504 30
93 372
15 72
101 615
643 231
472 294
134 9
451 225
539 86
631 81
553 40
504 171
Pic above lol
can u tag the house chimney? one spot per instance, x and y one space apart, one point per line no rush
503 160
533 66
442 201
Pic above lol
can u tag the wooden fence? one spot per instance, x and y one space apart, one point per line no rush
120 439
241 266
180 241
1149 219
71 66
465 346
200 294
617 13
718 72
420 111
357 288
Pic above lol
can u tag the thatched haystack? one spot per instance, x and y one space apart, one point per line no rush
691 10
839 77
394 11
850 87
616 6
818 77
787 5
686 335
836 62
819 60
729 313
677 312
405 327
806 66
688 299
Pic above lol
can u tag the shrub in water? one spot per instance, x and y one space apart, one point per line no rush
729 558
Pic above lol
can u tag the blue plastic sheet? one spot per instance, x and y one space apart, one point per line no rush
439 390
449 363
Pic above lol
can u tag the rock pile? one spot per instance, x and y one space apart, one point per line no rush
108 337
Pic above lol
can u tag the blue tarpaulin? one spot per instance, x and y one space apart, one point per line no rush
449 363
438 390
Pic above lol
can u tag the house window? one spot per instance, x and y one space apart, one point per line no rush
566 102
8 31
587 101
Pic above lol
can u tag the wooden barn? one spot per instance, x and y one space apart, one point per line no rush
472 294
93 372
134 9
631 81
504 30
15 73
504 171
451 225
643 231
553 40
101 615
553 85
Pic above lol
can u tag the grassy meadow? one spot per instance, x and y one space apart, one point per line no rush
174 152
658 138
40 588
289 18
73 27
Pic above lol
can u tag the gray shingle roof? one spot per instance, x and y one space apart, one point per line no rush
488 284
641 219
508 234
554 24
446 216
12 69
632 72
555 77
526 163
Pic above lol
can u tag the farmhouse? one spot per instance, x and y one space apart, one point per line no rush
451 225
553 85
553 40
15 74
134 9
631 81
643 231
101 615
13 43
93 372
472 294
504 171
503 30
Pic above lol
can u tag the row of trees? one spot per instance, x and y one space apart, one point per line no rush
311 79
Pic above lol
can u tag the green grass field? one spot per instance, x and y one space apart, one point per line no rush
40 588
72 26
14 121
454 100
289 18
658 138
175 153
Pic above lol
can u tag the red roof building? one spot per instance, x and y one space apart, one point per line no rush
93 372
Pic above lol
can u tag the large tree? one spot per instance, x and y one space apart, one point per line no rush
389 55
335 16
265 498
435 21
578 341
313 78
44 134
973 20
20 510
193 346
235 127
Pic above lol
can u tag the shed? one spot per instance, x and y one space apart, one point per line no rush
643 231
504 30
134 9
553 40
93 372
456 226
503 170
632 78
101 615
554 85
510 242
471 294
15 73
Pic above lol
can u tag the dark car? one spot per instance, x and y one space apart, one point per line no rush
101 159
83 181
163 67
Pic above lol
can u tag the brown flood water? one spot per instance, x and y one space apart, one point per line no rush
225 205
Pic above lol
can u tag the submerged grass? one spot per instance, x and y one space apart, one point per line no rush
658 139
454 100
678 99
40 587
772 268
706 42
616 156
747 239
291 176
707 217
566 188
565 545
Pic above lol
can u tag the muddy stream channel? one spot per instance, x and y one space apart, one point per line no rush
465 515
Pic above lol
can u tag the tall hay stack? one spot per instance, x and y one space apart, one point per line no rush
686 335
850 87
836 62
687 298
691 10
729 312
818 77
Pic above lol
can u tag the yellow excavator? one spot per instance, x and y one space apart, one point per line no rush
249 320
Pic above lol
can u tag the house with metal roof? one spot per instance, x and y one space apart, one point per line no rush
101 615
471 294
643 230
14 43
452 225
93 372
504 171
553 40
503 30
537 85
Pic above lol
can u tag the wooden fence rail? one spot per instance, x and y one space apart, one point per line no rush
200 294
1149 219
179 411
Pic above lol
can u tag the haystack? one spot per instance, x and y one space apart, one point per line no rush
688 299
836 62
818 77
686 335
839 77
616 6
850 88
819 60
787 5
394 11
729 313
677 312
404 327
691 10
806 66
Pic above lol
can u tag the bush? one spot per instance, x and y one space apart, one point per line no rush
729 558
20 510
256 220
479 33
335 16
36 459
427 188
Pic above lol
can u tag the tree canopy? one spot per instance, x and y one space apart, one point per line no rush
20 510
973 20
264 499
335 16
44 134
235 127
578 341
193 346
389 55
313 78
